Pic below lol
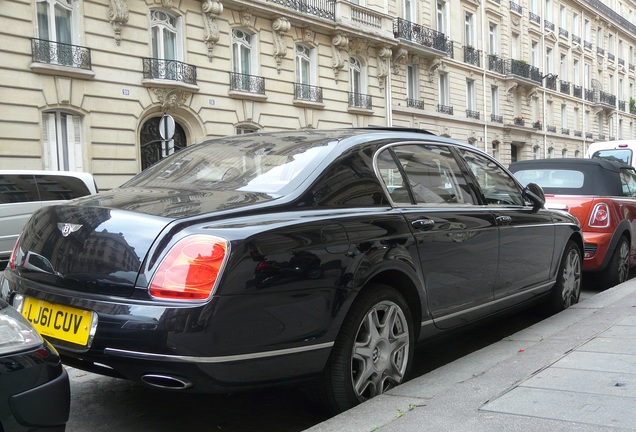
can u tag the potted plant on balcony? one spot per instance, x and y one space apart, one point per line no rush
518 120
536 124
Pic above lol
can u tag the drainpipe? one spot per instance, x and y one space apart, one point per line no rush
388 97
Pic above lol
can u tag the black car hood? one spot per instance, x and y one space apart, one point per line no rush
172 203
97 244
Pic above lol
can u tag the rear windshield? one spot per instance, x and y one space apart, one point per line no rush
263 164
616 155
552 178
15 188
584 179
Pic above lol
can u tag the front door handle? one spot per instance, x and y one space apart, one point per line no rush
423 224
503 220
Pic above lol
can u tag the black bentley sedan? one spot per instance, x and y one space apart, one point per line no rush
271 258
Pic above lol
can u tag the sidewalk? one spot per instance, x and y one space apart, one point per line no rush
575 371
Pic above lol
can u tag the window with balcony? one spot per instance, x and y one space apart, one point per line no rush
305 88
563 16
442 17
58 35
243 77
166 43
412 87
357 85
494 105
493 39
410 10
444 94
471 105
548 13
62 141
469 30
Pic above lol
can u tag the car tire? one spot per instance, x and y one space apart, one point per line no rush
618 267
373 351
567 289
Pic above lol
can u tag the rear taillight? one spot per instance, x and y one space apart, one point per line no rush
191 269
14 254
600 216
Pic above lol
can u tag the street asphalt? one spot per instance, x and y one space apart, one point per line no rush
574 371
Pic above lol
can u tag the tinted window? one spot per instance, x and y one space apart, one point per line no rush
497 186
18 188
617 155
54 187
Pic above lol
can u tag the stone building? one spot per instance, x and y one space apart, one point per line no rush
86 82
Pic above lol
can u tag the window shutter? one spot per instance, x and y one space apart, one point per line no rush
49 141
73 126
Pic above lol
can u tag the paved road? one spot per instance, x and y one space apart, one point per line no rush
102 404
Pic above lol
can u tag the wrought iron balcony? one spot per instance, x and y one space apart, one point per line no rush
614 16
521 69
548 25
444 109
534 17
612 138
551 129
423 36
600 51
472 114
495 64
606 98
577 91
415 103
611 56
537 125
632 67
601 136
621 61
320 8
590 95
358 100
172 70
472 56
496 118
587 45
621 105
589 135
564 87
61 54
551 82
563 32
516 7
578 133
565 131
247 83
576 39
519 121
308 93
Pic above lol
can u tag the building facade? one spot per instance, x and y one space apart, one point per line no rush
86 83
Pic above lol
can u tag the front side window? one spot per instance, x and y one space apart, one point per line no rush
409 10
497 186
62 141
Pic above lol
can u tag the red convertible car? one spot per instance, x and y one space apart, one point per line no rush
602 196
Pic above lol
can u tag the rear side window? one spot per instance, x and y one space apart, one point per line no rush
56 187
628 182
616 155
16 188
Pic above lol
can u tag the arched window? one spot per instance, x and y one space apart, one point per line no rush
357 84
153 148
242 52
166 38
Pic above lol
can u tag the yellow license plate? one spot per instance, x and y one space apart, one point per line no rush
61 322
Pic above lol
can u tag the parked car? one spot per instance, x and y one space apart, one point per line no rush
22 192
617 150
602 196
269 258
34 387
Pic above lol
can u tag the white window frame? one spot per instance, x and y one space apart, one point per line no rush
165 23
576 73
412 81
441 13
576 24
470 95
357 78
244 41
493 39
563 17
62 141
52 34
410 10
534 53
548 60
469 30
444 96
494 100
548 10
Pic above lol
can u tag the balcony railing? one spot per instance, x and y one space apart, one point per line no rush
308 93
320 8
587 45
563 32
495 64
247 83
516 7
61 54
588 135
534 17
632 67
576 39
621 62
522 69
578 133
496 118
403 29
589 95
564 87
611 56
537 125
621 105
415 103
444 109
601 136
358 100
614 16
612 138
551 128
577 91
565 131
472 114
519 121
551 82
600 51
548 25
472 56
606 98
172 70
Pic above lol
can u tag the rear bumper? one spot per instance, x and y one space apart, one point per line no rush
597 247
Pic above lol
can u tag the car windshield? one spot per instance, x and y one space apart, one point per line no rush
258 163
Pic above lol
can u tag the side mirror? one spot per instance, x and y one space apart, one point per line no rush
534 193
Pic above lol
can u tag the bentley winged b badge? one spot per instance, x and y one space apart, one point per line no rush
67 228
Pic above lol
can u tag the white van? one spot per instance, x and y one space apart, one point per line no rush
620 150
23 192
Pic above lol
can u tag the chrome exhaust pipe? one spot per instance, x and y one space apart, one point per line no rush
166 382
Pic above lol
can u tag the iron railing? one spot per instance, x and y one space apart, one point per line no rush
631 67
516 7
496 118
587 45
548 25
247 83
403 29
472 114
495 63
564 87
611 56
563 32
614 16
577 91
578 133
320 8
576 39
358 100
601 136
534 17
172 70
519 121
589 95
589 135
551 82
600 51
537 125
415 103
308 92
521 69
551 128
61 54
607 98
621 61
565 131
472 56
621 105
444 109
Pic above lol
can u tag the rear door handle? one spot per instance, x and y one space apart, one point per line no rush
423 224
